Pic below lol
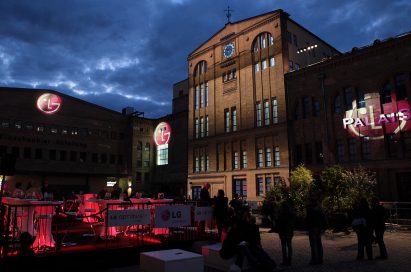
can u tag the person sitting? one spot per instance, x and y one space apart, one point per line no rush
18 191
34 192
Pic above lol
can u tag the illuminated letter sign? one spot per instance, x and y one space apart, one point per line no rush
162 134
374 119
49 103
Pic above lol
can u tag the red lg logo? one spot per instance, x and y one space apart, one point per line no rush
49 103
162 133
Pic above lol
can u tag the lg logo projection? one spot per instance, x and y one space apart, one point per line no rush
374 120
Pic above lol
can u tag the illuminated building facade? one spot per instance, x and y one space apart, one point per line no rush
237 122
354 109
78 146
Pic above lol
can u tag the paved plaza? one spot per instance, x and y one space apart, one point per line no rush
339 253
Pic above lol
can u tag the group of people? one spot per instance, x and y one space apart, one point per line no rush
33 190
240 235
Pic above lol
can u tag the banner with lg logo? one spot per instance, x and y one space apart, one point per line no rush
172 216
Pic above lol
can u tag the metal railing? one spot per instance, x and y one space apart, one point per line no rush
68 228
399 215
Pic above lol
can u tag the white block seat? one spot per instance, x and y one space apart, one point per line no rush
171 260
212 258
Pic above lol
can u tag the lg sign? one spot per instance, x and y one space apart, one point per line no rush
162 134
49 103
374 120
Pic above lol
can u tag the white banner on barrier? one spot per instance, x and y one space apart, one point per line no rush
128 217
203 213
173 216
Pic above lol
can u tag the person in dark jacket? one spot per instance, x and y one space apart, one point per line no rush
316 223
379 218
285 227
220 211
205 194
363 226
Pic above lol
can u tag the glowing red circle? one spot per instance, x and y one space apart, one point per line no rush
49 103
162 133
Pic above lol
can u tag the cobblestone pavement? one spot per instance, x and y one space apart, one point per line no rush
339 253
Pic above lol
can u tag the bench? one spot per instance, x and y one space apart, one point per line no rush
171 260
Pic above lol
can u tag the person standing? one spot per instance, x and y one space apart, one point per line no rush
363 227
316 223
285 227
379 218
205 194
220 211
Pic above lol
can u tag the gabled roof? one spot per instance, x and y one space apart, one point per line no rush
228 28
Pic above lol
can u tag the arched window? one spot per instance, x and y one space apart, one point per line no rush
201 68
262 41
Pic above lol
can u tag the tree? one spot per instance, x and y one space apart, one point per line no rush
361 181
301 181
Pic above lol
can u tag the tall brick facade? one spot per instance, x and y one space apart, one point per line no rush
237 121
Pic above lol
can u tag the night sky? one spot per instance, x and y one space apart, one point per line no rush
118 53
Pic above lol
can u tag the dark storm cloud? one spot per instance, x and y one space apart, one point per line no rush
129 53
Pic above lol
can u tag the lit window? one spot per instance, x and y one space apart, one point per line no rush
244 159
270 39
234 119
197 164
291 64
201 127
259 157
201 95
275 110
256 67
206 126
264 64
235 160
162 154
272 62
207 163
202 163
227 120
260 186
277 161
258 114
266 113
206 94
268 157
196 97
263 41
268 184
196 128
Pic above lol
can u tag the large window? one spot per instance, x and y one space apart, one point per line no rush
386 93
277 159
227 120
202 163
272 62
206 126
196 97
266 112
197 164
263 64
268 184
340 150
316 108
206 94
259 186
162 154
240 187
360 99
202 95
258 114
235 160
196 128
234 119
268 162
260 157
275 110
202 127
244 163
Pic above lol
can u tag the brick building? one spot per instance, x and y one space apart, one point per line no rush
237 122
354 109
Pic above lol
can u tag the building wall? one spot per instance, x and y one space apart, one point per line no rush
367 70
76 143
213 153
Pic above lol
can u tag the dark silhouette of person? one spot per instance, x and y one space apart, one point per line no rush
363 227
315 221
285 227
379 218
244 242
236 204
220 210
115 192
205 194
26 252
